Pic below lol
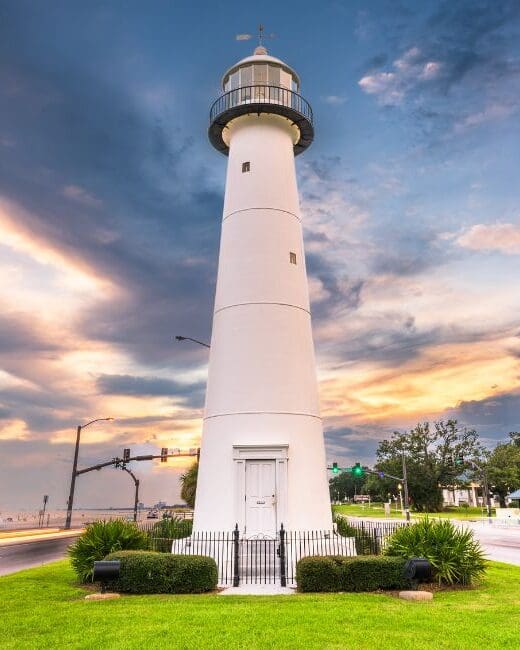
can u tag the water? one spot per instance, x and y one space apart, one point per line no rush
14 520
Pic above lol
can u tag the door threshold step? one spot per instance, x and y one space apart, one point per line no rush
258 590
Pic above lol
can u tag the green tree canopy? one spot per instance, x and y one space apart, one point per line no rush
429 451
503 468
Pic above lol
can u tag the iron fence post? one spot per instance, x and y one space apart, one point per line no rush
236 557
283 576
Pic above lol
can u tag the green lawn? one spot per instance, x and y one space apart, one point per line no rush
44 608
377 510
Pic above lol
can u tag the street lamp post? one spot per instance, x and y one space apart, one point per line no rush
405 484
188 338
70 500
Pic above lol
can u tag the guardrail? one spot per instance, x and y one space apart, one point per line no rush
257 95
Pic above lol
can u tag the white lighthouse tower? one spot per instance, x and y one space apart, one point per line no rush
262 461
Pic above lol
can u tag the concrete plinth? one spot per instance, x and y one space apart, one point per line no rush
416 595
107 596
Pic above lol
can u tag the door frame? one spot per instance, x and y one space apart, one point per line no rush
243 453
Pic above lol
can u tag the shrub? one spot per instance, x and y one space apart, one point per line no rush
101 538
149 572
166 530
341 573
366 544
455 555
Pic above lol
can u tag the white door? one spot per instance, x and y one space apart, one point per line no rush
260 497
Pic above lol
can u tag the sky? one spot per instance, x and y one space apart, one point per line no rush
111 199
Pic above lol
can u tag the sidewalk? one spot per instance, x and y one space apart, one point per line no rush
35 534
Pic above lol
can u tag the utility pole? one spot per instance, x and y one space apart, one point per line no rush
405 485
70 501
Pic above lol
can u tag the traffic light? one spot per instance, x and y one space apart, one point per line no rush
126 455
459 460
164 454
335 468
358 471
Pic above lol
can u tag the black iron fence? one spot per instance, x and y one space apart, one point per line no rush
370 536
260 559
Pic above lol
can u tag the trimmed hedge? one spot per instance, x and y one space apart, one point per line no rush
150 572
341 573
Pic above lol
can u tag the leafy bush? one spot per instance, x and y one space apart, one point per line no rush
149 572
341 573
366 544
101 538
166 530
455 555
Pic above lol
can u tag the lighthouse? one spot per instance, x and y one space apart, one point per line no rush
262 460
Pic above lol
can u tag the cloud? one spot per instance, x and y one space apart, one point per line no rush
409 71
79 194
335 100
191 394
502 237
492 113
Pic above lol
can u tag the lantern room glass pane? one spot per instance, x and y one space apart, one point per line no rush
274 75
246 75
234 80
260 74
285 79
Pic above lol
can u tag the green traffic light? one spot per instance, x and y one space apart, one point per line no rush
335 468
357 470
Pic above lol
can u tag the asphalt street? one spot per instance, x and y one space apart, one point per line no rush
24 555
500 543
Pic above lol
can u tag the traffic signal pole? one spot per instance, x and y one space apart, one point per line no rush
118 463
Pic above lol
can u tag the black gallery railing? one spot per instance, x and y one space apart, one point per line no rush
257 94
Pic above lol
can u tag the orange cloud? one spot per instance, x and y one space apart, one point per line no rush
503 237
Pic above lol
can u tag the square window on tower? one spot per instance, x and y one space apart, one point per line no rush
246 167
292 258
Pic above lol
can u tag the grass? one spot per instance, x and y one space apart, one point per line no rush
44 608
377 510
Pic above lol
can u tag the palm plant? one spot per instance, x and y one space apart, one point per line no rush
189 484
101 538
456 557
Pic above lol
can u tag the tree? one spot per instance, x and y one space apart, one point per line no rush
189 484
429 452
503 468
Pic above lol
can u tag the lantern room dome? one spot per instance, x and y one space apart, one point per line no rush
261 84
260 56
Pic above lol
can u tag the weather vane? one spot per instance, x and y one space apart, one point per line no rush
261 35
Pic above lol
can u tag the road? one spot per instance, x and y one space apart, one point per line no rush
500 543
24 555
